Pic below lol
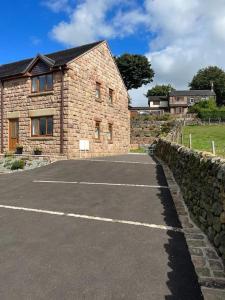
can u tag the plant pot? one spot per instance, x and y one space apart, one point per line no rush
19 150
37 152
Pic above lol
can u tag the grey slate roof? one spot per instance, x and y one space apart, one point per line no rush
139 108
193 93
157 98
60 58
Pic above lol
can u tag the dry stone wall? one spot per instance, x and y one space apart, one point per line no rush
144 131
201 178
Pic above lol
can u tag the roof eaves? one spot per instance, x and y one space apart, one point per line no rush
95 46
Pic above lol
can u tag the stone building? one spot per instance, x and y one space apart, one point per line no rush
66 103
177 102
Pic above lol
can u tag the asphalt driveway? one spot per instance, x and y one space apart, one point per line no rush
104 228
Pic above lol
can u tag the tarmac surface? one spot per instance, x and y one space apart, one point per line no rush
103 228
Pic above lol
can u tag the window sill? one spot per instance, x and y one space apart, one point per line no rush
110 142
41 94
97 141
41 138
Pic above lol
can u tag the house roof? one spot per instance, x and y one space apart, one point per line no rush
192 93
157 98
59 58
139 108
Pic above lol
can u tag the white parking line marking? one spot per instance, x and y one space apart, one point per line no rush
103 183
121 161
58 213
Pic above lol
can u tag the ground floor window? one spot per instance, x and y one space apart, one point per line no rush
97 130
110 132
179 110
42 126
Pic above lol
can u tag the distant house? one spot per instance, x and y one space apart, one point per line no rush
158 104
177 102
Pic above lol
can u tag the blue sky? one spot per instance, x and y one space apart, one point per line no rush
177 36
26 30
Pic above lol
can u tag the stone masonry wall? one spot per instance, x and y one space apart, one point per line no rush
97 66
81 109
145 131
18 98
201 178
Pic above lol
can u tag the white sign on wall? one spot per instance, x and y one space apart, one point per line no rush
84 145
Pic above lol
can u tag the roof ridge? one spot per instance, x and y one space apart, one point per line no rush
52 53
70 49
60 58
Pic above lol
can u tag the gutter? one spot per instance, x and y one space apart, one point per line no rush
2 114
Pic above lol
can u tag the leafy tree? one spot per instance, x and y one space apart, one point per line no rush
208 110
160 90
135 69
206 104
204 78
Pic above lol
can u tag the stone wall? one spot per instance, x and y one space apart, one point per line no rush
201 178
84 109
144 131
80 112
19 100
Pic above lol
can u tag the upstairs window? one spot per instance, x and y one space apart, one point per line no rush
42 126
42 83
98 91
97 130
110 96
110 133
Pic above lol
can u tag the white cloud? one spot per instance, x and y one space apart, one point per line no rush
138 97
35 40
87 23
188 34
93 20
57 5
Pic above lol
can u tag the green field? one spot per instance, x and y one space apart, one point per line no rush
202 136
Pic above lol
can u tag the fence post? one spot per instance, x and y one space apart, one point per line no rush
182 138
213 148
190 141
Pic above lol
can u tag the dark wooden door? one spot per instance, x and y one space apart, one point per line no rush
13 134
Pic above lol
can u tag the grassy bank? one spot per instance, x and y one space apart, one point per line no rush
202 136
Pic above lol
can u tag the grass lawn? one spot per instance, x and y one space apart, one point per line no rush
203 135
138 150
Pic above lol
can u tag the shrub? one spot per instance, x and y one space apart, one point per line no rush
18 164
9 154
208 110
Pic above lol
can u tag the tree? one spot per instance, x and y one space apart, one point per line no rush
160 90
204 78
135 69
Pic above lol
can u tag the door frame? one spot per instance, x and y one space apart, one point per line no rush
9 131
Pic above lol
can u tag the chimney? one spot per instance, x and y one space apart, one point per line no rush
212 86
